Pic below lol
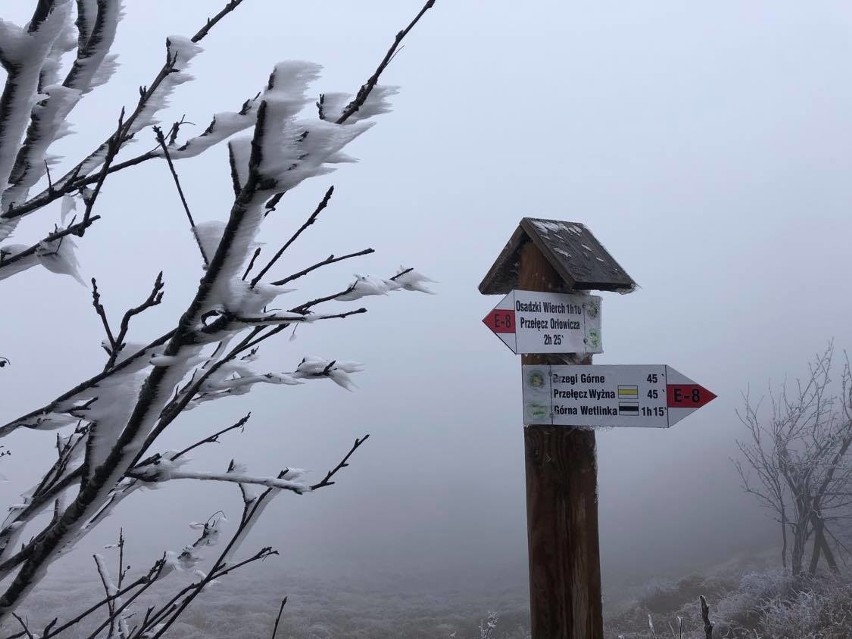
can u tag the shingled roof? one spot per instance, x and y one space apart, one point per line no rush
572 250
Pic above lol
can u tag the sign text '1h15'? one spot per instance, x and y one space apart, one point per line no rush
534 322
655 396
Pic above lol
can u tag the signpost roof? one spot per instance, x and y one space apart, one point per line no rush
575 254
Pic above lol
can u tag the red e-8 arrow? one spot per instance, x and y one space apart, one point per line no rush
687 395
501 320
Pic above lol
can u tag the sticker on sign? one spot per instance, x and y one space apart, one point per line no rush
534 322
653 396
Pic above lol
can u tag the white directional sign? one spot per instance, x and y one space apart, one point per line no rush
651 396
533 322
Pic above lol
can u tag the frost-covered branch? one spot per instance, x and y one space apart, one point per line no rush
55 252
96 23
116 438
92 66
162 471
338 107
23 54
68 401
109 423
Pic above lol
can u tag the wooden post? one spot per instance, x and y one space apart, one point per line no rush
562 504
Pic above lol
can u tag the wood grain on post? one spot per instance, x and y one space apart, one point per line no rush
562 505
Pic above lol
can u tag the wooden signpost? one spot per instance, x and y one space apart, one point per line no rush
561 261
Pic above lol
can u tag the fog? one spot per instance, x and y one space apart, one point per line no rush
707 146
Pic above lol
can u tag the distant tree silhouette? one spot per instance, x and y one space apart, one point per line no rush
796 463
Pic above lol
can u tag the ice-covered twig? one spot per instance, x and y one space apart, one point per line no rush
153 299
222 126
365 90
7 262
318 368
304 308
331 259
327 480
51 488
110 151
152 474
253 259
705 617
365 285
74 181
214 438
161 140
145 581
27 632
411 280
209 530
159 622
13 525
99 309
211 22
311 219
110 589
274 319
278 617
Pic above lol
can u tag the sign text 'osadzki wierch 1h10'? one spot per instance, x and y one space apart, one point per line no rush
536 322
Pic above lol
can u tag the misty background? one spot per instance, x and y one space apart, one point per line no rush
708 147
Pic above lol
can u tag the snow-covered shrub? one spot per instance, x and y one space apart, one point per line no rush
107 444
764 605
813 608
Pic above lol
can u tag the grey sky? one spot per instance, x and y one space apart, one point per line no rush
708 147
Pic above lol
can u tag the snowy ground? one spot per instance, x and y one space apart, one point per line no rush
319 609
747 596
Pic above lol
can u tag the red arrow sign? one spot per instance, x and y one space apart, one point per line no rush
500 320
687 396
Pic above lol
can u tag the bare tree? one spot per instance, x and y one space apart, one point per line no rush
796 462
109 425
